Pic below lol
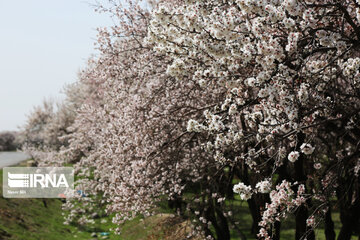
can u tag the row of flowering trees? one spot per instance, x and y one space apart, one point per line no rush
200 101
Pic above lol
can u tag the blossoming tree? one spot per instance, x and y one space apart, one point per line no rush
292 110
134 144
259 98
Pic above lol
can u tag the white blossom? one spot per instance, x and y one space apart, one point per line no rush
307 149
263 186
244 191
293 156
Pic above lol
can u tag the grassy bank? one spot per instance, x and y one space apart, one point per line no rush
33 219
42 219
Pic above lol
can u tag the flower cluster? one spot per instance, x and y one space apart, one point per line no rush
244 190
283 200
293 156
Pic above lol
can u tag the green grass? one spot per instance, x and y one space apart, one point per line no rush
29 219
26 218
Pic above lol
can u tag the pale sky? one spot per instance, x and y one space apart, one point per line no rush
43 44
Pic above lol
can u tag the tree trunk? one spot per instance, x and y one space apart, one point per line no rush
223 224
349 207
253 203
255 214
329 226
276 231
302 231
301 214
221 227
349 219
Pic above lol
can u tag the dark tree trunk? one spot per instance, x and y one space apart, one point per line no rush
276 231
176 204
301 214
348 196
349 219
346 228
223 224
302 231
253 203
221 227
329 226
255 214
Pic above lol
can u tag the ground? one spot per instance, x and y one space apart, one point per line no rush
30 219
